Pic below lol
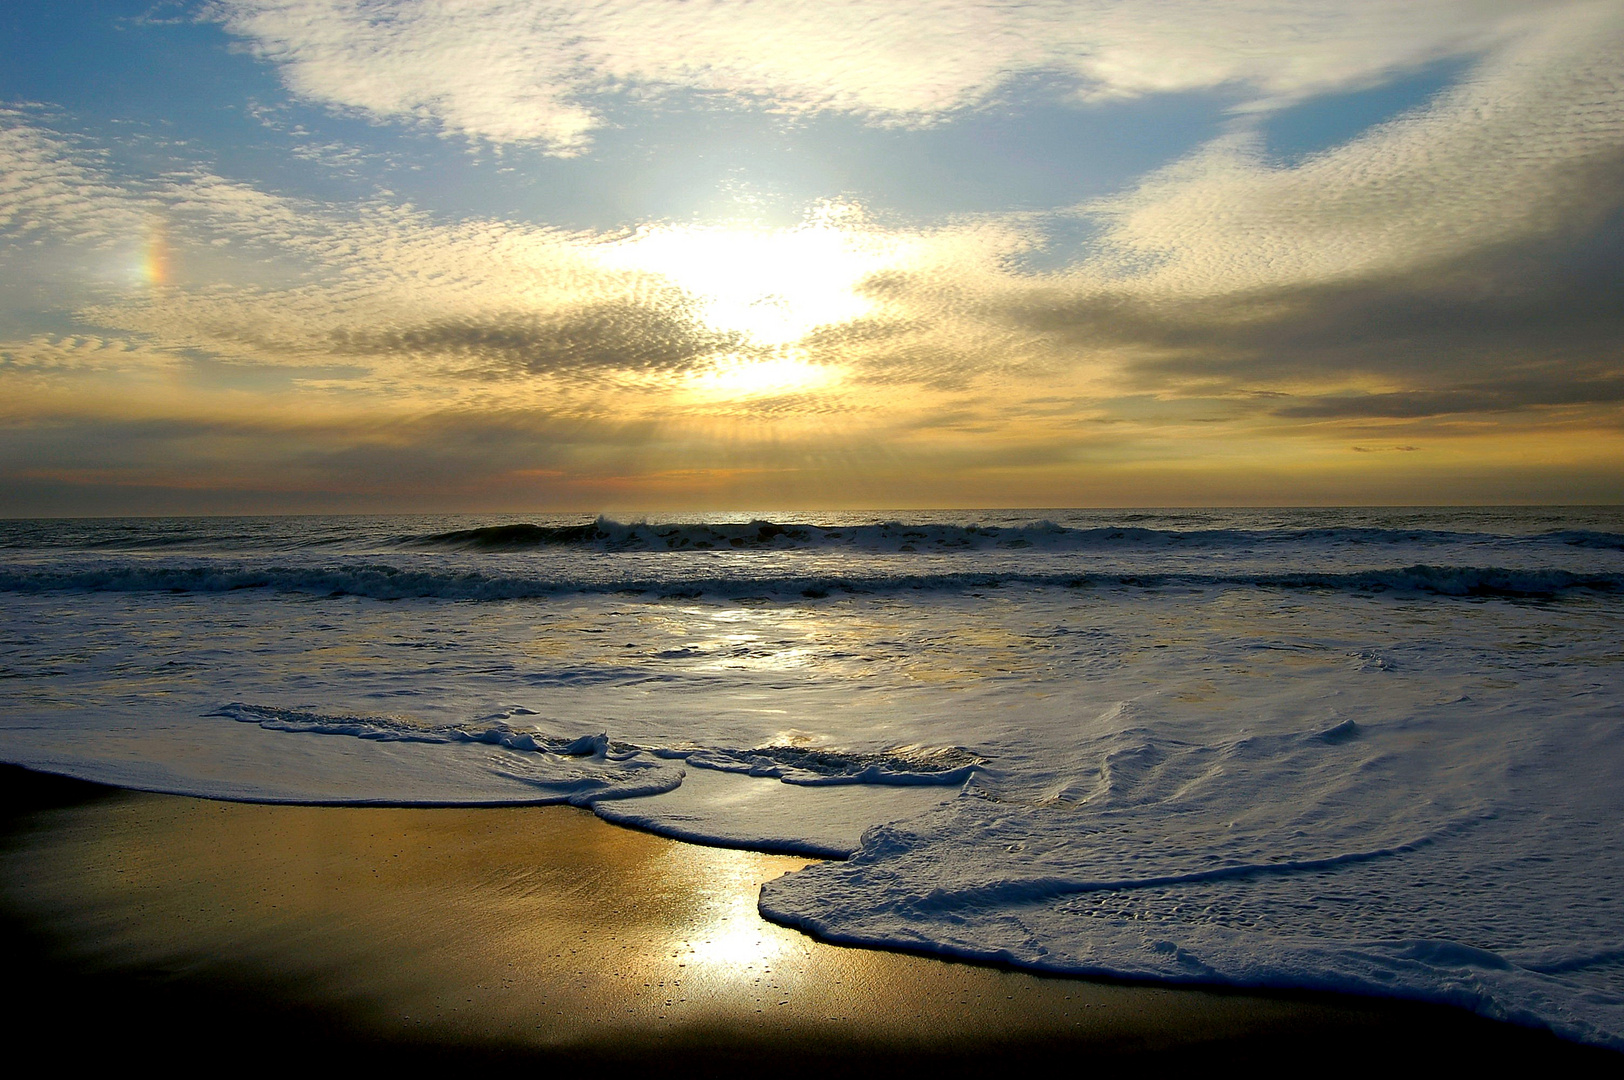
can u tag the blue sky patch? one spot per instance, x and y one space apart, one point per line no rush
1324 122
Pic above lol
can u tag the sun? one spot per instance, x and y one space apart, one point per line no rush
774 286
768 288
748 376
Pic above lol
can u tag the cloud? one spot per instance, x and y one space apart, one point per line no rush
1463 259
1521 148
51 185
529 70
46 355
256 278
1508 395
1549 296
1521 329
584 341
430 309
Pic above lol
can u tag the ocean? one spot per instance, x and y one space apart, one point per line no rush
1369 750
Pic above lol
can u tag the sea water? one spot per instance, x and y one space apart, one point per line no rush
1378 751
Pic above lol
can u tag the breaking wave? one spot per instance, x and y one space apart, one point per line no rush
902 766
898 536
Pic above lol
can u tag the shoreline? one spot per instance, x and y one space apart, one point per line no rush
167 927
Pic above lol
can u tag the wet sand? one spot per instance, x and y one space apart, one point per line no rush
182 931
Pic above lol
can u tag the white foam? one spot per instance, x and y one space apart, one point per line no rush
765 814
247 763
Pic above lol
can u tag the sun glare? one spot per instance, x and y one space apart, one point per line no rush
743 377
772 285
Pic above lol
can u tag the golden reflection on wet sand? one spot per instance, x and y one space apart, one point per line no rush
538 926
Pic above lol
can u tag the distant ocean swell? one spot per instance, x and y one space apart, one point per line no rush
386 582
608 535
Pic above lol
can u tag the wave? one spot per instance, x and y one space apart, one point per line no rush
928 533
899 536
1585 538
160 534
884 841
608 535
902 766
495 731
385 582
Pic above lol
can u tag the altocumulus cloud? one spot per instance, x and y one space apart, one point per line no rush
510 70
579 342
1465 257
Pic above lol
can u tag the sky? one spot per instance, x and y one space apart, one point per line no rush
641 256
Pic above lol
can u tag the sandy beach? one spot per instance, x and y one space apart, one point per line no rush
165 928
